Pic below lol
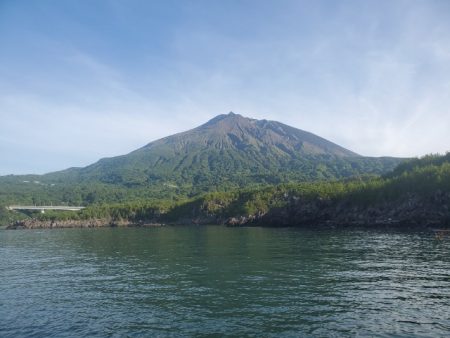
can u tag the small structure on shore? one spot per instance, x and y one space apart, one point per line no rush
44 207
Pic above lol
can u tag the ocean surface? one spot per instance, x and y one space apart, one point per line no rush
218 281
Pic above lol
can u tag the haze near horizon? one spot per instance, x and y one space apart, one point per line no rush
85 80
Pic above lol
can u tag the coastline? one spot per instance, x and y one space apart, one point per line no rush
411 210
33 223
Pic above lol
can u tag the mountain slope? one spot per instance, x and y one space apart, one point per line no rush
229 150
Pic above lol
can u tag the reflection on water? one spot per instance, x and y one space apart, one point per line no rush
223 281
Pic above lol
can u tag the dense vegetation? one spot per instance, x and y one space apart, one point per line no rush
423 177
39 191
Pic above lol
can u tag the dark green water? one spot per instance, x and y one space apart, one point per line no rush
217 281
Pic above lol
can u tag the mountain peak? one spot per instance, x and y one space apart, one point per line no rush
234 131
227 118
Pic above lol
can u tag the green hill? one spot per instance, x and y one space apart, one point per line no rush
416 193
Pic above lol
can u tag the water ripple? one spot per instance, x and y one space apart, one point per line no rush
223 282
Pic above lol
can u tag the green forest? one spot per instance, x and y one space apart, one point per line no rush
421 176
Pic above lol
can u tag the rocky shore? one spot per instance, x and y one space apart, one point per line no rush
33 223
408 211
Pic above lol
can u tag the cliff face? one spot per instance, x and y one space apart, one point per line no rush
412 210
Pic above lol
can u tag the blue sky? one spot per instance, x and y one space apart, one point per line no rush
82 80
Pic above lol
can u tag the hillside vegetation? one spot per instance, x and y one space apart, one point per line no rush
415 184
